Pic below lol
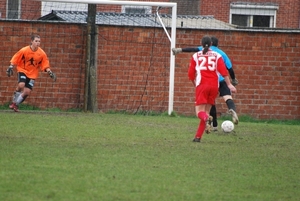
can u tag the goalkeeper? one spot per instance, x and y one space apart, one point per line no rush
224 91
29 61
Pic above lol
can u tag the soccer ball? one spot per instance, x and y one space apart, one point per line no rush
227 126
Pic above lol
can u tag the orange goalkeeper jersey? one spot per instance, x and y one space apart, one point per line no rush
30 62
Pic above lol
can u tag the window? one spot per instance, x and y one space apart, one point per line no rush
13 9
262 21
137 9
253 14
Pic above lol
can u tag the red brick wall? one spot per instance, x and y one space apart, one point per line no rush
30 9
288 14
267 67
135 76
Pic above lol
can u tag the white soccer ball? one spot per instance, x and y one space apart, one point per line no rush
227 126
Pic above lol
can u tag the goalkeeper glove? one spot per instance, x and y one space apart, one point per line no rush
9 71
176 50
52 75
234 82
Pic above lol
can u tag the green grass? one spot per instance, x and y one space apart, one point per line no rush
78 156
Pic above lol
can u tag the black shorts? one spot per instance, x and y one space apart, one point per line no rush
223 89
29 83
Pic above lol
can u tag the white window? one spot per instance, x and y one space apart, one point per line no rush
253 14
13 9
136 9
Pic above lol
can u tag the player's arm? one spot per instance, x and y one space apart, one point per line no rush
228 65
45 66
15 61
230 86
192 71
188 49
231 73
234 81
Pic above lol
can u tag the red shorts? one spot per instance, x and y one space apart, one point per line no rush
206 94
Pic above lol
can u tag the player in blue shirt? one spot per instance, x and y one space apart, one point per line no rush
223 89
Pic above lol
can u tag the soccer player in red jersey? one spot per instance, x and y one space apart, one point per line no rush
203 71
224 91
29 61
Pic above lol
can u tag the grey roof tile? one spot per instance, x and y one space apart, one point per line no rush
143 20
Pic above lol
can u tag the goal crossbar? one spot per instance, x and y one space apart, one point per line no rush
172 38
115 2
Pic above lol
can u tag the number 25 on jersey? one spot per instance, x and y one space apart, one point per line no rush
207 63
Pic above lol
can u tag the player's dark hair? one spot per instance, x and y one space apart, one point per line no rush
214 41
33 36
206 42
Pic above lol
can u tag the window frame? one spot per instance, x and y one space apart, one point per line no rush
254 9
8 9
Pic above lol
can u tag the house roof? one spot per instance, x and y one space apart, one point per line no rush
142 20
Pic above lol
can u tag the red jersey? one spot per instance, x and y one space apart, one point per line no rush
30 62
204 69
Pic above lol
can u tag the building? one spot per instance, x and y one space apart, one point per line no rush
255 13
245 14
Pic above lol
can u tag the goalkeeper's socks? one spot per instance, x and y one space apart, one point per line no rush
19 100
16 95
213 113
230 104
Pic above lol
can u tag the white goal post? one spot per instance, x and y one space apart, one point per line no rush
172 38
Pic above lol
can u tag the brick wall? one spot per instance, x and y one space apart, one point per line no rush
288 14
187 7
29 9
267 66
135 76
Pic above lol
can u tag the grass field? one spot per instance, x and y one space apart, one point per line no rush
109 157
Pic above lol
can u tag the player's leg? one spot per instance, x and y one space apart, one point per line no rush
15 97
23 90
203 116
232 110
213 113
209 120
226 94
211 101
23 96
19 90
205 121
205 98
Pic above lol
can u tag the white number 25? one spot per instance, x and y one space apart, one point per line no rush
210 62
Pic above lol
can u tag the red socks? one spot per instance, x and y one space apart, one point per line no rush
203 118
202 115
